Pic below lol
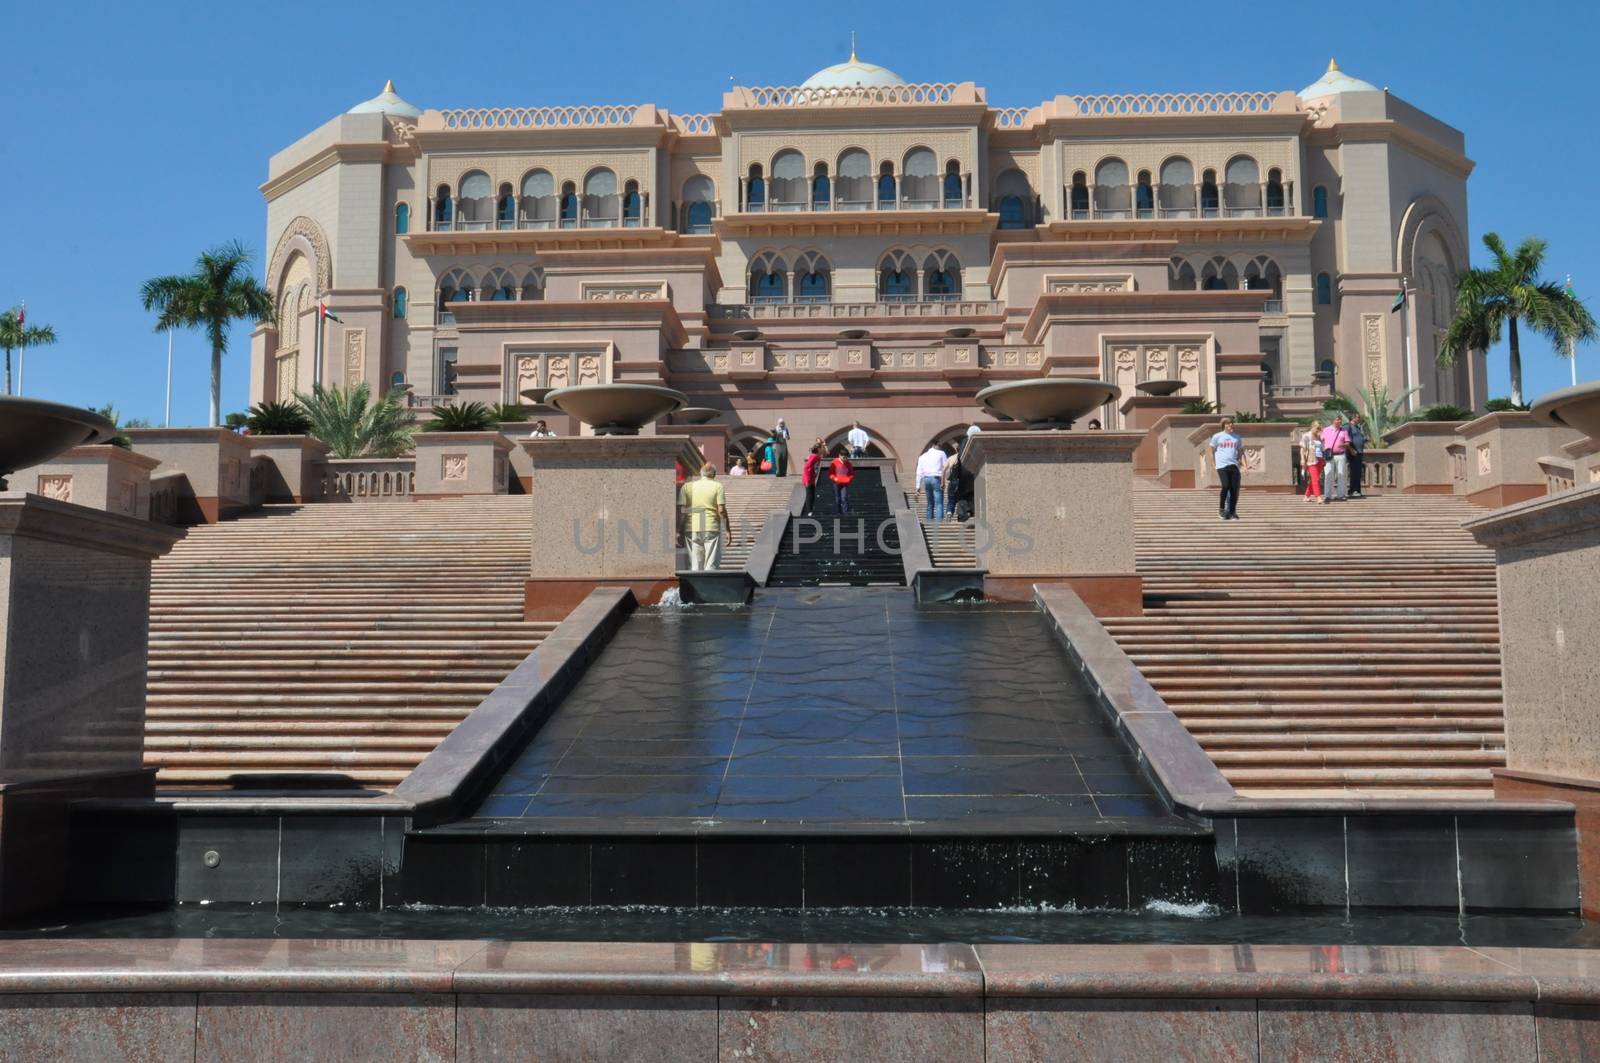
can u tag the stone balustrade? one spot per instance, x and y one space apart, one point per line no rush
1500 457
367 480
216 462
1426 461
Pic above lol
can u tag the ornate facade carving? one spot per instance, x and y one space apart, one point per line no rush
1374 371
1254 459
589 369
1485 459
453 467
309 231
288 376
355 356
56 487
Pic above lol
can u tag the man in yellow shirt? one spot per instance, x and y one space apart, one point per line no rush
703 514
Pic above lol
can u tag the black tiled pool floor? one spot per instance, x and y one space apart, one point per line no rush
849 710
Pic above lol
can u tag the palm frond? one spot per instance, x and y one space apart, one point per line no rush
353 426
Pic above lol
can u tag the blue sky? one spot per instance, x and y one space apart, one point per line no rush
137 134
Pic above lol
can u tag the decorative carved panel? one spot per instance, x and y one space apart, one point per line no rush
355 355
589 369
559 371
721 363
128 499
1255 459
1155 363
526 375
453 467
305 227
1374 365
57 487
963 355
288 376
1485 462
824 359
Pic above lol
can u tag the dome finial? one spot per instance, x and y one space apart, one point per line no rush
1333 66
388 86
852 46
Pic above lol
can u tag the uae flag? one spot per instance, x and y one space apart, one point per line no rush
327 314
22 314
1399 301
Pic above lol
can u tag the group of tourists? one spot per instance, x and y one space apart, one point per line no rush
944 481
1331 455
768 458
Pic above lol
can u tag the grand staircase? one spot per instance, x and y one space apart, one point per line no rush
332 645
751 500
1341 650
951 543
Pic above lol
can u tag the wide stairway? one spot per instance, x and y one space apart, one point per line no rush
340 641
951 543
1341 650
751 500
857 555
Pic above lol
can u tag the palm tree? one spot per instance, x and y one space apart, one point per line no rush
1382 414
219 292
355 427
17 335
1489 300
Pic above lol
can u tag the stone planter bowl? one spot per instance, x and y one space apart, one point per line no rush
536 396
1049 403
32 432
695 415
1159 387
1575 407
617 409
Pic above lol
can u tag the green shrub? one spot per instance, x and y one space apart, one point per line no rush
468 417
278 419
1339 404
1244 417
353 425
507 412
1199 406
1442 412
235 421
1503 406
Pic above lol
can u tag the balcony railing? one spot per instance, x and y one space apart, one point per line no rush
1232 201
855 194
777 308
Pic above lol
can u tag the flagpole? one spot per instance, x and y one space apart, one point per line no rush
1572 343
1411 370
167 420
316 350
22 351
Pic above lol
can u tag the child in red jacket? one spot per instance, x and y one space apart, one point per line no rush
841 472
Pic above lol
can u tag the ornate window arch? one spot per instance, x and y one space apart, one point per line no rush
1219 275
854 185
788 188
769 278
1241 192
1177 195
600 201
475 202
1181 276
1078 196
821 187
1262 274
897 278
813 278
699 203
538 205
755 189
941 276
400 303
888 186
1013 199
955 193
919 182
1210 199
304 236
568 208
1111 195
1275 199
499 286
402 218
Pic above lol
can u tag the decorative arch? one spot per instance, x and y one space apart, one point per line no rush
1425 212
813 278
897 277
941 275
769 278
304 235
956 433
747 438
877 445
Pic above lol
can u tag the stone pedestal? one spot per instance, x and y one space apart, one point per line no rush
1239 379
1502 452
1548 554
1140 413
1426 462
104 477
604 514
74 631
1174 459
1057 507
215 461
451 464
291 467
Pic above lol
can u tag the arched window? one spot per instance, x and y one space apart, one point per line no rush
397 379
698 196
1013 200
1319 202
854 190
1241 194
769 279
1180 276
538 208
1219 275
1210 202
897 278
755 189
888 194
919 184
821 188
533 283
443 209
954 194
1111 199
569 205
1275 192
1176 197
813 279
505 209
499 286
456 286
1262 275
941 277
476 209
1079 198
1328 368
1324 290
1144 197
600 206
788 191
632 205
399 302
402 218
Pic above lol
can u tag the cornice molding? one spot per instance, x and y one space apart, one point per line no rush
329 157
804 223
1385 131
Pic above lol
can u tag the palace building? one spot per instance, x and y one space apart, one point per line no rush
857 247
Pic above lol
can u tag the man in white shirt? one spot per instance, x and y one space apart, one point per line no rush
930 474
858 439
